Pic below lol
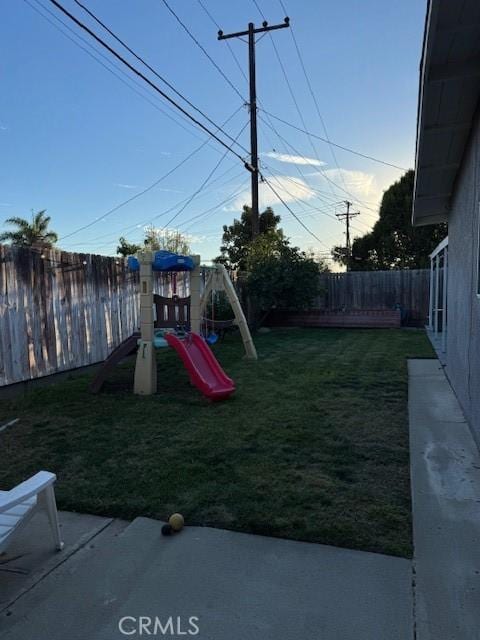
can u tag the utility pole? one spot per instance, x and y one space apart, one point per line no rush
346 216
253 167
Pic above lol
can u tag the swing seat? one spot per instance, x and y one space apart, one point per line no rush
159 341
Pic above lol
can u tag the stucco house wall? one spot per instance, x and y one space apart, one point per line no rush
463 341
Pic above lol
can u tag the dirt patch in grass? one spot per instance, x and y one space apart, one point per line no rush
312 446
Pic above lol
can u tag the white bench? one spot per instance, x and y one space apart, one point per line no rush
19 504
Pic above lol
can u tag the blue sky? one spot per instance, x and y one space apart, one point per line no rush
77 141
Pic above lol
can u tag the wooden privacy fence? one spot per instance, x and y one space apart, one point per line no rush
375 290
366 298
60 311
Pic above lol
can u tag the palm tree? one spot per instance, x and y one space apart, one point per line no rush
31 233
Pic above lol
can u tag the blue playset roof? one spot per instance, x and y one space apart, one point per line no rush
165 261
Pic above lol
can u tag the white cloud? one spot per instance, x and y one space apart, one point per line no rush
360 183
5 204
126 186
292 159
288 188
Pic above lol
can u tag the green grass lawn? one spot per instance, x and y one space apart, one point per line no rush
312 446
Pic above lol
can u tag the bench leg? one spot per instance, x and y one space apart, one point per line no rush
47 498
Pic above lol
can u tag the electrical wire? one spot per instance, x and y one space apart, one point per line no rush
334 144
146 97
297 198
239 66
206 211
232 52
204 51
212 209
151 219
323 194
310 88
147 80
308 188
299 220
205 182
147 189
290 90
149 67
322 173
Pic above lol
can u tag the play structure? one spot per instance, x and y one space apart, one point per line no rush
178 323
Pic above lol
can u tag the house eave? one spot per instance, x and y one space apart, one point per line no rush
448 99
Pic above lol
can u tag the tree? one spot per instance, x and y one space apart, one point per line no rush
279 275
394 243
28 234
166 239
126 248
237 237
273 273
156 240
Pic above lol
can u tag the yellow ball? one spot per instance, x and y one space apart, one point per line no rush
176 521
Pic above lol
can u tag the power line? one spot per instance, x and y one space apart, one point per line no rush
289 86
212 209
322 173
150 68
107 68
323 194
308 187
232 52
298 199
310 88
147 80
202 48
314 235
184 200
339 146
147 189
234 56
304 202
150 219
276 178
205 182
212 19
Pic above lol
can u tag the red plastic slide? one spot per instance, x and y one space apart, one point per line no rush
204 370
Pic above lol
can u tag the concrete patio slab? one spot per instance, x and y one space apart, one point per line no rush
446 509
31 556
239 586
